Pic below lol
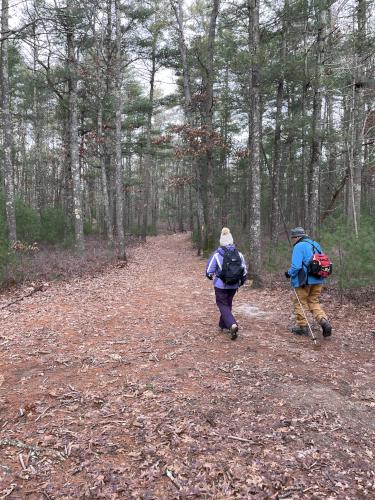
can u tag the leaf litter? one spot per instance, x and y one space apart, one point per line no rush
121 386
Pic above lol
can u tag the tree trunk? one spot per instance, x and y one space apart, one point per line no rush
255 159
207 162
277 153
316 127
7 128
359 114
147 164
73 138
118 142
40 173
103 173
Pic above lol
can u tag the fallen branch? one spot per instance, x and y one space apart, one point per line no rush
243 440
38 288
43 412
18 444
8 491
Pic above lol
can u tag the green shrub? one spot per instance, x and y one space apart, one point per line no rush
6 257
352 257
136 230
277 258
4 254
53 223
87 227
28 223
151 230
69 240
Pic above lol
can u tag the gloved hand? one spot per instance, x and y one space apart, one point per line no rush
209 276
287 275
243 280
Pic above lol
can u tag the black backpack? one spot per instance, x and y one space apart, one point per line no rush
232 268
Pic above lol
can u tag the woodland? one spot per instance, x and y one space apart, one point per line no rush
132 131
127 119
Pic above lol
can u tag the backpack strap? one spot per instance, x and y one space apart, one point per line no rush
307 241
314 247
218 261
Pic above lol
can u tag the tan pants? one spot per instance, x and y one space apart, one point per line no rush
309 297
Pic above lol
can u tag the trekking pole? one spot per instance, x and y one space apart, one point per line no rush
303 310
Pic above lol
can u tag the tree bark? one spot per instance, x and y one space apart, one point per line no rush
118 140
316 127
358 115
9 192
147 164
73 137
39 170
103 174
207 163
255 156
277 153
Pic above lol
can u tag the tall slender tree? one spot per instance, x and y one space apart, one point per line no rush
119 67
7 126
255 142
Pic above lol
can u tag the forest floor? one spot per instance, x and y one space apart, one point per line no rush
120 386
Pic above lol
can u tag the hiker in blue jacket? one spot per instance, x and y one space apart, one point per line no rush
306 286
227 282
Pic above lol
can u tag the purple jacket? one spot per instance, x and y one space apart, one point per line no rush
215 263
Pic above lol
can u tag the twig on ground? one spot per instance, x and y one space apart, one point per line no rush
20 458
243 440
43 413
38 288
8 491
172 478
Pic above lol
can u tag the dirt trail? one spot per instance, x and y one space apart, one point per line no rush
120 386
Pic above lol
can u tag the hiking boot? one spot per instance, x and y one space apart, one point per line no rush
300 330
326 327
222 330
233 331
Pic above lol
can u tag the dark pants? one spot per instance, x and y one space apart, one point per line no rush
224 299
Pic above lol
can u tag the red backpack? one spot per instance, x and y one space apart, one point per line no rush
319 266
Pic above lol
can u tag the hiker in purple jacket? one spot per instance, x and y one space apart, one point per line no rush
229 267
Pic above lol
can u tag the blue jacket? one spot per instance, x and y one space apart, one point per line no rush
301 255
214 266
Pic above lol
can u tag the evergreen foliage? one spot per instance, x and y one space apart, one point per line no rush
53 225
352 257
28 223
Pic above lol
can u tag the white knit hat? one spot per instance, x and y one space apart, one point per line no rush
226 238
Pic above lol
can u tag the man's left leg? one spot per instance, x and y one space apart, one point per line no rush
300 305
316 310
